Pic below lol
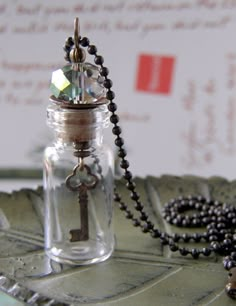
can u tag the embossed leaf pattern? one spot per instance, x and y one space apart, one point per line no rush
140 272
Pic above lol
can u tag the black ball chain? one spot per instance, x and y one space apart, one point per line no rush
219 219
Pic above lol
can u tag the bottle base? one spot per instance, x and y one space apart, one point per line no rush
77 255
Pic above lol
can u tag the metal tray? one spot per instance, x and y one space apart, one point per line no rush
140 272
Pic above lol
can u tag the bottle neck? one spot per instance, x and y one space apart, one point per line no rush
61 141
78 126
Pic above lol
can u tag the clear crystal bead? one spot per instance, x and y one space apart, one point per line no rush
78 83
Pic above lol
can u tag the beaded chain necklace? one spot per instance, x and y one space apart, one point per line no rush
219 219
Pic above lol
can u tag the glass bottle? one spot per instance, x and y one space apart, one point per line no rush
78 186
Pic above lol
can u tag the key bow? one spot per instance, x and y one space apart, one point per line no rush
90 183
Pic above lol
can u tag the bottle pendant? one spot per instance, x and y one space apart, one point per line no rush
78 166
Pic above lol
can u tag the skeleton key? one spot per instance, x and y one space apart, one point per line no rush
82 234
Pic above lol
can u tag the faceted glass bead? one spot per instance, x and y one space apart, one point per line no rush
78 83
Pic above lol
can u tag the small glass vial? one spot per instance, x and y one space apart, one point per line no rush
78 186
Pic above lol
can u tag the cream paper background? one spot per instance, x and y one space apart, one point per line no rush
191 130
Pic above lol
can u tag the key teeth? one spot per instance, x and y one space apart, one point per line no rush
78 235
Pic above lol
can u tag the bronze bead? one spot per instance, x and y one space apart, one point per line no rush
77 55
230 288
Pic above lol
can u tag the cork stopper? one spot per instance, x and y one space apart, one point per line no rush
78 124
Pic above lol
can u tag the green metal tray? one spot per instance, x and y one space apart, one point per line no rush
140 272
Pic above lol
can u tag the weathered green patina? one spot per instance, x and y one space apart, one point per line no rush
140 272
